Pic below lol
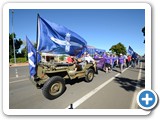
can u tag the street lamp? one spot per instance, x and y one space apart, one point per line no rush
13 39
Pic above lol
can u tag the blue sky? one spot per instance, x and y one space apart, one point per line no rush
100 28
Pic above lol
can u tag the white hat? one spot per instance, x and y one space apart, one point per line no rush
85 53
120 53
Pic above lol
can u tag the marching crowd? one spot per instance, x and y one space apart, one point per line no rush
108 61
113 60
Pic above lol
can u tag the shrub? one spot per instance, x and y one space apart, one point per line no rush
18 60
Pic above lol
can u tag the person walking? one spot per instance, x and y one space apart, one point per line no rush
96 56
107 63
111 61
129 60
115 60
121 61
134 57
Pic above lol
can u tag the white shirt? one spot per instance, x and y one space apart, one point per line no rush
89 59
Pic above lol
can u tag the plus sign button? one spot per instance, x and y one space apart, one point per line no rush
147 99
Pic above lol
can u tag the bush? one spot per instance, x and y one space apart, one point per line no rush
18 60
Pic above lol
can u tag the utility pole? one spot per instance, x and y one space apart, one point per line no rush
14 45
13 39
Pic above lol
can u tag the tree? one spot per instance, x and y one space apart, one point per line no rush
118 48
18 43
24 51
11 36
143 31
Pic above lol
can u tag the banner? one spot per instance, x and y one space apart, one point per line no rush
57 39
130 50
33 59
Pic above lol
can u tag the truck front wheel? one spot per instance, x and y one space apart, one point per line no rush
54 87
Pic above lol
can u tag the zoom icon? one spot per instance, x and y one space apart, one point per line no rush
147 99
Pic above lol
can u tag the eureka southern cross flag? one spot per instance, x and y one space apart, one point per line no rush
33 61
54 38
130 50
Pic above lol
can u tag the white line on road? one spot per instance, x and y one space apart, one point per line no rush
134 104
18 81
139 75
87 96
18 77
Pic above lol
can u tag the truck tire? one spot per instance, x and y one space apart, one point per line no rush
54 87
89 75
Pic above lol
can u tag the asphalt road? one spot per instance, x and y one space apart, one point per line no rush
107 91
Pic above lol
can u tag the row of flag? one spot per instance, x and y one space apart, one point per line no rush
54 38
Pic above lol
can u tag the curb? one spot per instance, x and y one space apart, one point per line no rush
18 65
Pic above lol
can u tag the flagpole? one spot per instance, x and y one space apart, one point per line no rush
37 42
37 31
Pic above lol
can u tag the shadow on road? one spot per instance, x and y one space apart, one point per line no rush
74 81
130 84
118 71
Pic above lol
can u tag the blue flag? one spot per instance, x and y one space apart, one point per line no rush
92 50
134 55
33 61
99 51
54 38
130 50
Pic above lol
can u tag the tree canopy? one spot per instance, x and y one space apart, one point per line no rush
118 48
17 42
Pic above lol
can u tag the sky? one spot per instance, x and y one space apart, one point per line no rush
101 28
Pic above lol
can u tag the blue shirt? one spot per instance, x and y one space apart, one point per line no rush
114 59
121 59
108 59
96 56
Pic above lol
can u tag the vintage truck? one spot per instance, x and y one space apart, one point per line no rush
51 76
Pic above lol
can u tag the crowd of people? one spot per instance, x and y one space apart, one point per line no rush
121 61
110 60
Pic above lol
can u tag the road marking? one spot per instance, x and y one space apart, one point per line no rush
18 77
19 81
16 73
134 104
139 74
88 95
